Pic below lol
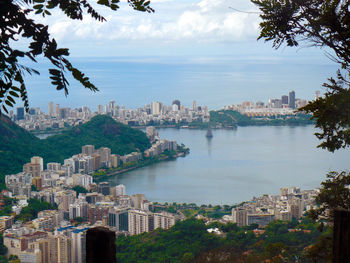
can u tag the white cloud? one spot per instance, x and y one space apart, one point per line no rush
174 20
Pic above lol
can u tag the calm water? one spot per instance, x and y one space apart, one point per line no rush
235 165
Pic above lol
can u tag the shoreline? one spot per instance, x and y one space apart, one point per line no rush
54 132
140 165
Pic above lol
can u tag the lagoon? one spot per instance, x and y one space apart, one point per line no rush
235 165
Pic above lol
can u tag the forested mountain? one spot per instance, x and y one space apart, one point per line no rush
17 145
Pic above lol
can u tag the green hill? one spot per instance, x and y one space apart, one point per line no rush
189 241
17 145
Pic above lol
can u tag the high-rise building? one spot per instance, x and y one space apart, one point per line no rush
105 154
163 220
120 190
118 218
66 199
79 245
51 112
156 108
100 109
111 106
194 105
60 249
37 182
138 222
177 102
285 99
57 109
103 188
239 216
32 168
20 113
292 99
88 149
53 166
115 160
137 200
38 160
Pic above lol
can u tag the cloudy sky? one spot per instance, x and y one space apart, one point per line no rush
177 25
198 27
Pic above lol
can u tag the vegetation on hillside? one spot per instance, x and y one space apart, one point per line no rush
189 241
31 211
17 145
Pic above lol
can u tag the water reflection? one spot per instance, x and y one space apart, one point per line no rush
209 139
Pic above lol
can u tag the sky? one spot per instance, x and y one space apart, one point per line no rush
183 27
211 33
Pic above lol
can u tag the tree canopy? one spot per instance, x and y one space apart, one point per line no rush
16 24
321 24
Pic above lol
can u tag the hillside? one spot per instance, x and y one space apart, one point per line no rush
17 145
189 241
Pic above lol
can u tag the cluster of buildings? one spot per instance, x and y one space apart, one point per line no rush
54 235
291 203
155 113
285 105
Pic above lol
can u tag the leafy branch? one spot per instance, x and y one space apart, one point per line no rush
15 25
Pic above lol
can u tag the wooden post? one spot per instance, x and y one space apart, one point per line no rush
341 236
100 246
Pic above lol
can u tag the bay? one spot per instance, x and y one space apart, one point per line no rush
235 165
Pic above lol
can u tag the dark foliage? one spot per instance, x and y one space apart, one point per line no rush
334 194
79 189
16 23
189 241
34 207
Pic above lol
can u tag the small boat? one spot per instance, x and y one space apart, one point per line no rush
209 133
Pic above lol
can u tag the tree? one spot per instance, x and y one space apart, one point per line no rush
322 24
335 193
80 189
16 24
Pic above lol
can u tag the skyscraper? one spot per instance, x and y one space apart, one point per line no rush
194 105
20 113
138 222
57 109
111 106
292 99
100 109
156 107
284 99
177 102
51 113
88 149
38 160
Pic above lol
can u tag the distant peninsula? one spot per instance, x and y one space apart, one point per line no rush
232 119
